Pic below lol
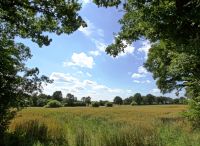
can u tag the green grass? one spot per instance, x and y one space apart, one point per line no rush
117 126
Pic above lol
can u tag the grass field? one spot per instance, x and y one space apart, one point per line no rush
115 126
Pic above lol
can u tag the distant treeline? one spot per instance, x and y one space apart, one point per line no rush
40 100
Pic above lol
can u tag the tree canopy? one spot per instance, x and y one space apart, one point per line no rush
118 100
173 28
137 98
29 19
57 95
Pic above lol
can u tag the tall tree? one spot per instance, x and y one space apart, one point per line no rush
150 98
137 98
28 19
57 95
118 100
70 99
88 100
173 28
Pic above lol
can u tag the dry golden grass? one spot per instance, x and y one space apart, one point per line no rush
143 115
111 126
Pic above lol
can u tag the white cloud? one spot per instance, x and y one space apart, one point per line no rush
91 29
79 72
84 2
140 73
94 53
146 45
100 45
142 82
155 90
129 91
128 50
100 32
70 84
148 81
80 59
63 78
137 75
136 81
88 74
87 30
142 70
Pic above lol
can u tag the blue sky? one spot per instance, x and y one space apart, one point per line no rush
79 65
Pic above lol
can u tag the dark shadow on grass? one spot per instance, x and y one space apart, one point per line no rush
30 133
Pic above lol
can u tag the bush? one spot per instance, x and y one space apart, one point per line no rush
53 103
109 104
193 113
133 103
95 104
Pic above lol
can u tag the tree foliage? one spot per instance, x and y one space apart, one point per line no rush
173 28
86 100
57 95
31 18
118 100
28 19
70 99
137 98
53 104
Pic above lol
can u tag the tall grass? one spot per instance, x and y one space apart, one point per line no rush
117 126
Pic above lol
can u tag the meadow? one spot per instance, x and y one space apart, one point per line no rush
153 125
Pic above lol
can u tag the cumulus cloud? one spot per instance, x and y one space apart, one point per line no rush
70 84
156 90
94 53
91 29
142 82
79 72
141 72
88 74
128 50
67 78
146 45
100 45
80 59
85 2
137 75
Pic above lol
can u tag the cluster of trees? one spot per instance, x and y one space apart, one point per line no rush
149 99
70 100
40 100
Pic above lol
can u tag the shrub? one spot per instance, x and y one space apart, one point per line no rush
193 113
95 104
133 103
109 104
53 103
